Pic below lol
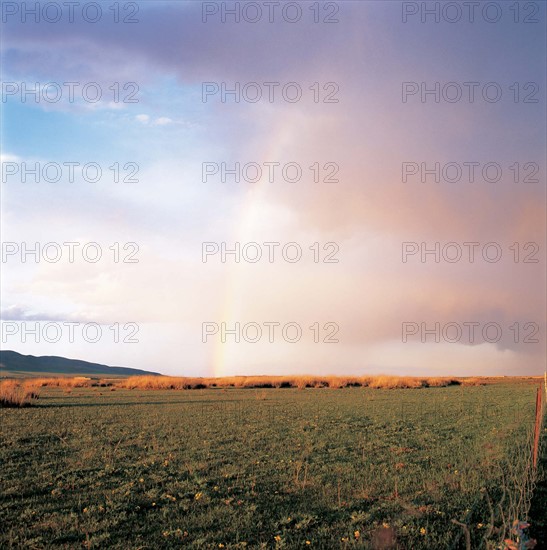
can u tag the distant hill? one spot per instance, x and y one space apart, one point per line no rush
15 363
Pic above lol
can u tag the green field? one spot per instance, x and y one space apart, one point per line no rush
268 468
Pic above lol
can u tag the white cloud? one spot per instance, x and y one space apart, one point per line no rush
144 119
162 121
8 157
158 121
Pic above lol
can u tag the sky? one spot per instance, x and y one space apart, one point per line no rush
395 155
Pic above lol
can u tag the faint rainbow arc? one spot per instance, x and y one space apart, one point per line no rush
249 212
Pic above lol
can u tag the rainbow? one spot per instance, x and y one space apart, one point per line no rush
250 214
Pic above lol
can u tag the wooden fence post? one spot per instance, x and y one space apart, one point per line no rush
537 426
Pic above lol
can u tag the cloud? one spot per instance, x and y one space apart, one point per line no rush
7 157
369 212
163 121
158 121
144 119
24 313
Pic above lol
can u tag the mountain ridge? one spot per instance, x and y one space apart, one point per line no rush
15 362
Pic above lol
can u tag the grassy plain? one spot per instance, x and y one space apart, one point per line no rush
107 467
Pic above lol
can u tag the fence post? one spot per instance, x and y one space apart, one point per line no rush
537 426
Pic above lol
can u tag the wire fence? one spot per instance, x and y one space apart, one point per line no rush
509 504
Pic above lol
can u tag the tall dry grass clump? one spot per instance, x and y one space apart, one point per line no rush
14 393
162 383
404 382
474 381
63 382
396 382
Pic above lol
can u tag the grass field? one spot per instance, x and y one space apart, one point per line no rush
266 468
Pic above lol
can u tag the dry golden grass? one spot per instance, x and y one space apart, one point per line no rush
296 381
391 382
64 382
474 381
15 393
300 382
160 383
